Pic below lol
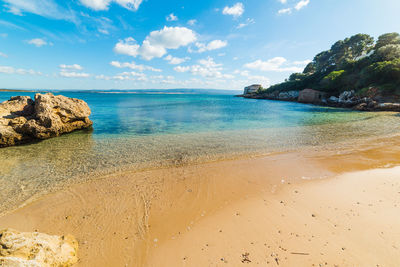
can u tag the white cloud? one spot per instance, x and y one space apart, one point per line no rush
302 62
171 17
104 4
38 42
96 4
45 8
283 1
175 60
3 55
277 64
148 51
216 44
133 65
182 68
127 75
10 25
192 22
128 46
236 10
157 77
12 70
131 75
156 43
213 45
284 11
301 4
71 67
69 71
129 4
206 68
170 80
248 22
172 37
254 79
209 63
72 74
100 23
102 77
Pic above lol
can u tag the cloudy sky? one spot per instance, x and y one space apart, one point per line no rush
138 44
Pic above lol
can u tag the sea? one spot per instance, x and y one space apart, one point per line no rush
139 130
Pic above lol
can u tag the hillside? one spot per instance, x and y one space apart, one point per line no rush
370 68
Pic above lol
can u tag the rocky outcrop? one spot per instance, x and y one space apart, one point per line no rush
288 96
23 120
347 99
36 249
283 96
374 106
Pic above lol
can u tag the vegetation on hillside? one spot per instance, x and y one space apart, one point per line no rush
356 63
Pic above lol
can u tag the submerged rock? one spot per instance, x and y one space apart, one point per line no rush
36 249
23 120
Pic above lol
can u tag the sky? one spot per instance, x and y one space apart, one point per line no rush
159 44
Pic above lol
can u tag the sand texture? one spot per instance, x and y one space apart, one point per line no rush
307 208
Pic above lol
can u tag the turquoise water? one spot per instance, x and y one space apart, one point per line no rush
132 114
133 131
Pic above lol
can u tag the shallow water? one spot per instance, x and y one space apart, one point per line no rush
136 131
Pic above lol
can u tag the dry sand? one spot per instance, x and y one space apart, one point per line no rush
261 211
351 220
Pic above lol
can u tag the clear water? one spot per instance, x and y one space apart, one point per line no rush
134 131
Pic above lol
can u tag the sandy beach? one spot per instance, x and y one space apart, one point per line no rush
139 133
304 208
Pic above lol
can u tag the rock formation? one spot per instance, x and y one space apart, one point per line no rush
23 120
288 96
36 249
347 99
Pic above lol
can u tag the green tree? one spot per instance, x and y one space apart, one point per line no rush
297 76
341 53
310 68
349 64
350 49
386 72
334 80
322 61
359 45
388 52
387 39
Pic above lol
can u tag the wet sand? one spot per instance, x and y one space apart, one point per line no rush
304 208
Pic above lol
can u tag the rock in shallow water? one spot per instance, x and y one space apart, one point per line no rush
36 249
23 120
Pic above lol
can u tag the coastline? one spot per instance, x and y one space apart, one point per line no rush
127 218
364 104
18 90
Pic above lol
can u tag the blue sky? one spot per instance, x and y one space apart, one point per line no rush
139 44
